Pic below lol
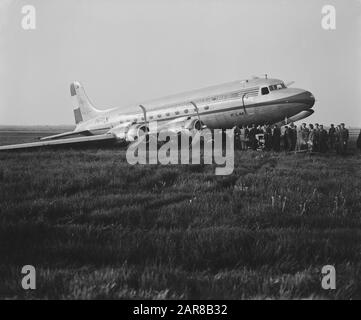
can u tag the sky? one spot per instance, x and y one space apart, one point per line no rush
128 51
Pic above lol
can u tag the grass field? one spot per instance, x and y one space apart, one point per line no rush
96 227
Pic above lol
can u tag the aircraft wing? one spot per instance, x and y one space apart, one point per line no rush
69 141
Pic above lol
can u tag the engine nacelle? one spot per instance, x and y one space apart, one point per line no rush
128 132
193 124
120 132
135 131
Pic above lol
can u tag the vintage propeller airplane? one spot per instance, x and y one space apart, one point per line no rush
245 102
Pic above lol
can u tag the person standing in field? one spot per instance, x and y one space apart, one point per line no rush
268 137
293 137
252 137
243 138
276 138
287 139
358 143
246 137
311 138
338 139
344 135
299 138
316 139
304 136
323 139
332 137
237 137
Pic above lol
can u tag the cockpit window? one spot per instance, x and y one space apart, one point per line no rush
264 90
277 86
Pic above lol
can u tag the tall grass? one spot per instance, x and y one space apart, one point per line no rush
96 227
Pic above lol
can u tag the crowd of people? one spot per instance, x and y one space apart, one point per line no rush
313 138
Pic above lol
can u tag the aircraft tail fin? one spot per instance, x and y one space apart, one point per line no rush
83 108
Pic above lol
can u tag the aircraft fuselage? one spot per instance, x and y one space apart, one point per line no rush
256 101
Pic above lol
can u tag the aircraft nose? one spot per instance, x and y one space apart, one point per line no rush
310 99
304 97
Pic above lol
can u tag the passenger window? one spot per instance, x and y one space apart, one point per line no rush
264 91
177 112
186 111
206 107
